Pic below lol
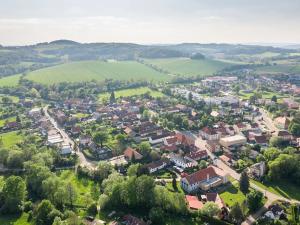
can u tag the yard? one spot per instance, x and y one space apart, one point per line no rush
10 119
11 138
232 194
10 81
284 188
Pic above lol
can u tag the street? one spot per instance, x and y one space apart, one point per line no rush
82 160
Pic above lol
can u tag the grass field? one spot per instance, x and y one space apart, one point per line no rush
265 95
283 188
11 138
10 81
188 67
96 70
133 92
14 219
232 194
279 68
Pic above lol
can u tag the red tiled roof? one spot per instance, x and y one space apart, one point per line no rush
197 155
129 152
193 202
201 175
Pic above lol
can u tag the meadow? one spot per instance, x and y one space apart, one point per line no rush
96 70
10 81
188 67
133 92
11 138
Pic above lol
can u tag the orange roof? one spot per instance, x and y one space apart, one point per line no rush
193 202
215 197
129 152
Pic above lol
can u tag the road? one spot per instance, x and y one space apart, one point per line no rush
200 143
266 120
83 161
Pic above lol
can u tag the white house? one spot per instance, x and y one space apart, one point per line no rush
182 162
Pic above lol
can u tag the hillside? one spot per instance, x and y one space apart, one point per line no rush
96 70
189 67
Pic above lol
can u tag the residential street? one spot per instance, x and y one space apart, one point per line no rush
270 196
83 161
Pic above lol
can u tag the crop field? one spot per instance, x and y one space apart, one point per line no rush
188 67
133 92
10 81
279 68
96 70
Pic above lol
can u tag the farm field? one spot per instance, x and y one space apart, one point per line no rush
279 68
133 92
96 70
11 138
188 67
10 81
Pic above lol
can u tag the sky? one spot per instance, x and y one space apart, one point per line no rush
25 22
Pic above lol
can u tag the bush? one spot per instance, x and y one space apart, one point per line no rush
28 206
92 209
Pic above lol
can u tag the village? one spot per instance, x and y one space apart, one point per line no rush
200 138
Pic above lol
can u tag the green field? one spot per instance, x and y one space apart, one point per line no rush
265 95
96 70
11 138
133 92
10 81
279 68
188 67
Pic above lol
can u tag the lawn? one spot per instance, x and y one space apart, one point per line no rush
83 185
284 188
14 219
133 92
265 95
188 67
10 119
169 186
10 81
11 138
233 194
96 70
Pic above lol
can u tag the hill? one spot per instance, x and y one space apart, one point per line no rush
189 67
96 70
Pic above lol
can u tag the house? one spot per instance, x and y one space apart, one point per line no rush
283 134
213 146
186 138
75 130
197 155
275 212
227 160
12 125
155 166
102 153
257 170
66 149
215 198
193 202
182 162
85 140
261 140
204 179
282 122
35 113
209 134
132 220
131 154
232 141
291 104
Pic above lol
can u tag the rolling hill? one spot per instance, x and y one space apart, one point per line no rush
96 70
188 67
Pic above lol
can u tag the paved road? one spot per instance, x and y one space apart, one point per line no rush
267 120
269 195
82 160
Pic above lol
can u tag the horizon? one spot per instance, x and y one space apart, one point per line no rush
144 22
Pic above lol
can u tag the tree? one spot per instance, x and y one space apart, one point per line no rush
145 148
236 214
190 97
156 215
92 209
103 170
271 153
100 138
278 142
42 213
71 193
202 164
174 183
254 200
274 98
112 98
244 182
133 169
14 193
210 209
294 128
